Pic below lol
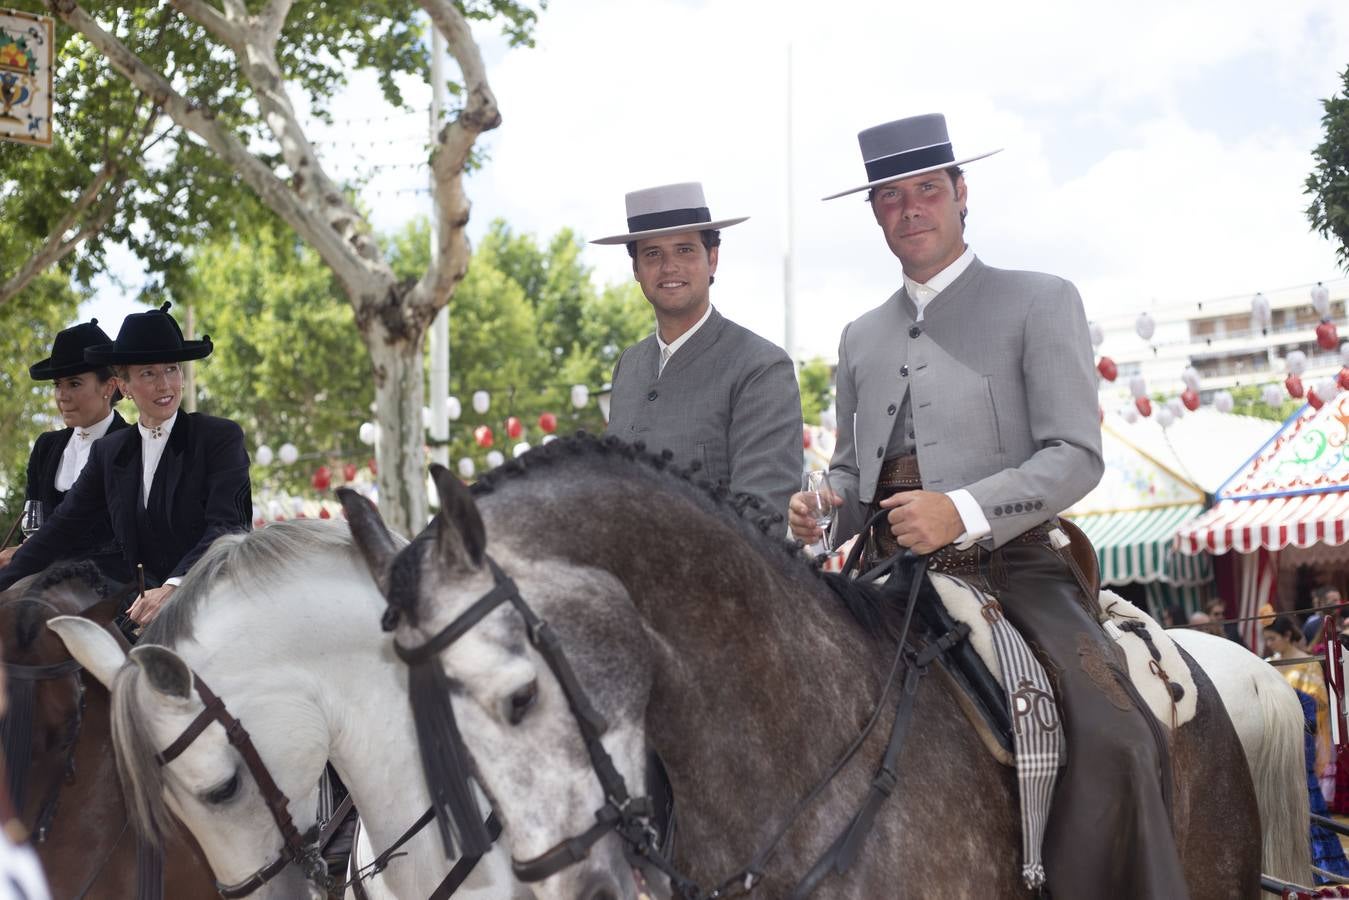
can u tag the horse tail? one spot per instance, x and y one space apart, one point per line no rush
1279 770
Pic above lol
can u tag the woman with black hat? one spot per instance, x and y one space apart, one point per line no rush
85 394
170 486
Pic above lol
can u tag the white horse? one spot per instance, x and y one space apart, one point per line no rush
283 625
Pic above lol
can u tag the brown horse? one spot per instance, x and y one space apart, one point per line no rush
59 750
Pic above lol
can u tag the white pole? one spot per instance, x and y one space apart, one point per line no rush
440 327
788 275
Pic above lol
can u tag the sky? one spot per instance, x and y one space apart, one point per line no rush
1152 152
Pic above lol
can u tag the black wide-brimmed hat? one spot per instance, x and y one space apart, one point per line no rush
149 337
67 357
905 148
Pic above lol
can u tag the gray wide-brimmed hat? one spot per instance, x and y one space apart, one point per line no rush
904 148
667 209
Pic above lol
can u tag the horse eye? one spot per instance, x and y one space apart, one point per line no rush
225 791
521 701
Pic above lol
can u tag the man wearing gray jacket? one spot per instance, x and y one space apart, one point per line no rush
968 417
703 387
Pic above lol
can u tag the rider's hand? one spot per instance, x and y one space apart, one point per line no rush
148 604
923 521
6 555
800 520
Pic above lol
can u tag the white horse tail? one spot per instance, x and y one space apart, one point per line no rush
1279 769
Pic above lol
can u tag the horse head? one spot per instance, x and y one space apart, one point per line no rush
489 705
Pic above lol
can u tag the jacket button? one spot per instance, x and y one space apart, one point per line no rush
1018 508
904 371
997 510
915 331
652 395
1039 504
880 452
890 409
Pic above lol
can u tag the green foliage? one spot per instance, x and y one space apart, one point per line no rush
1248 401
27 330
1328 184
817 383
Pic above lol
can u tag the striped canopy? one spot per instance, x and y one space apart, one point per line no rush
1138 545
1273 523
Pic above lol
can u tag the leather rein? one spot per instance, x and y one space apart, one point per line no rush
630 817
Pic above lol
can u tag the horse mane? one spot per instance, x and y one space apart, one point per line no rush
877 609
250 562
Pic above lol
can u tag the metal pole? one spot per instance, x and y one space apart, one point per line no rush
788 279
440 327
189 370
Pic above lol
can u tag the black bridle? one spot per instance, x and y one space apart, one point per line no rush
303 850
18 731
630 817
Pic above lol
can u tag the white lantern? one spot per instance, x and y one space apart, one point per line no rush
1222 402
369 433
288 453
453 409
1175 407
1097 334
274 510
1138 387
1273 395
426 418
1128 414
1164 417
482 401
520 449
1327 388
549 438
1344 354
494 458
1191 378
1260 313
1296 361
263 456
580 396
297 506
466 467
1321 301
1145 326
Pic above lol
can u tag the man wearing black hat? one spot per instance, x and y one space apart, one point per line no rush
85 394
170 486
711 392
968 419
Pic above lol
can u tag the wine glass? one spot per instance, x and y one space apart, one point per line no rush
820 503
32 517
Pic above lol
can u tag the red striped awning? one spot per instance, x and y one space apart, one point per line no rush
1271 523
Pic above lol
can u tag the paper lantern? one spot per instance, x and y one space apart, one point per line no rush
1293 385
466 467
1138 387
1327 388
548 438
520 449
453 409
323 477
324 514
482 401
805 437
1296 361
1321 300
1144 406
1109 371
1260 313
349 472
1327 336
1165 417
1145 326
1191 377
482 435
1222 402
1272 395
288 453
1176 407
514 428
297 506
1097 334
547 423
494 458
369 433
1313 400
263 456
1342 378
580 396
1344 354
1190 398
1128 414
274 510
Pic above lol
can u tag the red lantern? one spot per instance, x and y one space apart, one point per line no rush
1294 386
1343 379
322 478
1314 401
349 471
483 436
514 428
1144 406
372 466
324 514
805 437
1109 371
1190 397
1327 337
547 423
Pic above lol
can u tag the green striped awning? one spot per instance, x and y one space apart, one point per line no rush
1138 545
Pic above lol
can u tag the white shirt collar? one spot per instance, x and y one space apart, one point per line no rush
923 294
683 339
159 432
95 431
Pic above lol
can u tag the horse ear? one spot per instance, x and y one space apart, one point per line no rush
367 529
167 672
91 645
458 518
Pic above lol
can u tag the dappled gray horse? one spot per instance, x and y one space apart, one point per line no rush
687 627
